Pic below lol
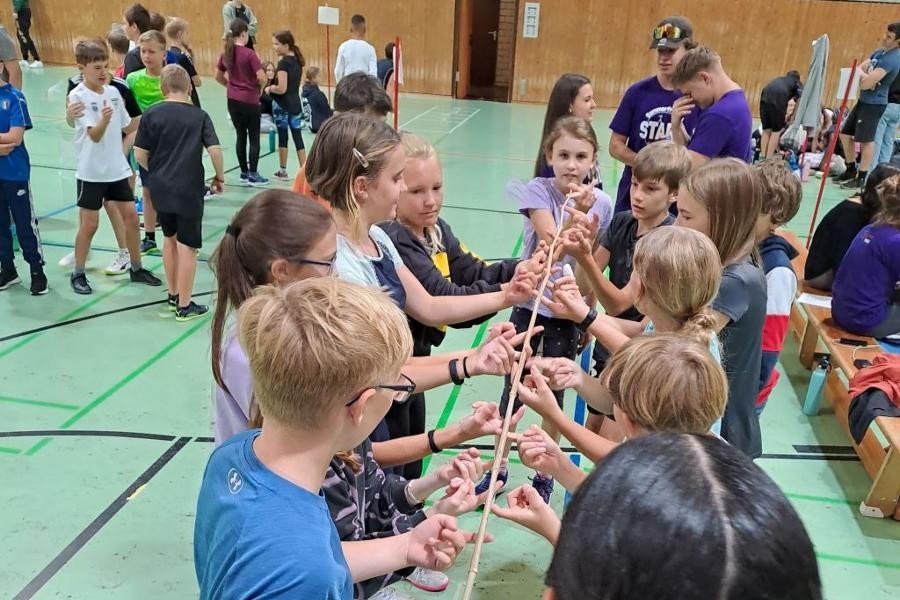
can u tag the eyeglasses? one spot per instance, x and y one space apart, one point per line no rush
328 264
402 391
667 31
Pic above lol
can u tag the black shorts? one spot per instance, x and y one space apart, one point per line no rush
862 122
186 230
91 194
772 116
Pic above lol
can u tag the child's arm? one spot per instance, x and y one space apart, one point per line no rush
614 300
279 88
339 64
221 77
142 157
96 132
618 149
538 451
526 507
218 161
14 136
544 224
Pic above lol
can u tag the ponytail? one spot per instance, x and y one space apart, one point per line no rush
700 326
287 38
299 55
236 28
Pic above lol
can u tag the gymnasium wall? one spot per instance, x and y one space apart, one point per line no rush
426 27
608 40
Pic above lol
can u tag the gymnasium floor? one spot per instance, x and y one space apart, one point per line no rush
105 399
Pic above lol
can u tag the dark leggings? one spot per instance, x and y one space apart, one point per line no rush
403 420
23 31
245 118
297 134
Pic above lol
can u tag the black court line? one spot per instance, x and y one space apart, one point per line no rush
204 440
60 560
834 457
479 209
806 449
89 317
88 433
34 166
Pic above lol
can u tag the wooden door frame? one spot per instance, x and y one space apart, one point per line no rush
458 18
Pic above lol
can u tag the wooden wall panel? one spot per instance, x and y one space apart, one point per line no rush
425 26
608 40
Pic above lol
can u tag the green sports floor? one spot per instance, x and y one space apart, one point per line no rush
105 400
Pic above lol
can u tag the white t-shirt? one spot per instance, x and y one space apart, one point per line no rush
353 56
356 267
102 161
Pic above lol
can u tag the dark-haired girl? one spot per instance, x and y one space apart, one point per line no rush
285 94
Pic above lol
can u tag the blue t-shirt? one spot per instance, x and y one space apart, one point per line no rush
644 116
866 282
725 129
14 113
258 535
890 62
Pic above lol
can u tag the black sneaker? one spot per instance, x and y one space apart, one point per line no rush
39 285
148 246
190 312
857 183
144 276
847 175
9 278
80 284
172 302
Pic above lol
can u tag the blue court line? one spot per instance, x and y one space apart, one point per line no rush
580 409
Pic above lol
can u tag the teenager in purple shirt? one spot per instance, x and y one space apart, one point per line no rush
644 115
245 78
866 290
724 126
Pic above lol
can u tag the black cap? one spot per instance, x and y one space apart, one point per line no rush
676 31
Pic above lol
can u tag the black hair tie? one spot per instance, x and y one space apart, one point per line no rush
233 230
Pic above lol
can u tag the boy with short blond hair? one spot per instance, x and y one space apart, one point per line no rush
781 194
325 357
103 171
169 144
657 172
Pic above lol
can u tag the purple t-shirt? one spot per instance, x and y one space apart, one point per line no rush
644 116
866 281
541 194
725 129
231 409
242 83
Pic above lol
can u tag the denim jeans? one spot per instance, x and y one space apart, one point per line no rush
885 134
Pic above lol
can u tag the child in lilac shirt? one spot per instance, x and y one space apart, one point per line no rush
867 286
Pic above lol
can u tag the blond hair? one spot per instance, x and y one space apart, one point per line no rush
693 62
153 36
680 273
727 189
421 149
779 189
663 161
174 79
348 145
889 195
175 28
314 344
667 382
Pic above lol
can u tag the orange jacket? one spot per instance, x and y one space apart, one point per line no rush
884 374
302 187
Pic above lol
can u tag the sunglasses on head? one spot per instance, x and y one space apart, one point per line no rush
667 31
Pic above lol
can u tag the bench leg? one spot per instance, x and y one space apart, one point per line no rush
884 496
808 345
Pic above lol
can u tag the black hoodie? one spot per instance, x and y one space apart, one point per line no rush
319 110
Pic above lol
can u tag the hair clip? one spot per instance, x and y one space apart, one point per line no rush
362 159
233 230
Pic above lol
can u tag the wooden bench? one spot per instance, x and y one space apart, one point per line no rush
882 464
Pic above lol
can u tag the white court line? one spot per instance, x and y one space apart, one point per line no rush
405 123
463 122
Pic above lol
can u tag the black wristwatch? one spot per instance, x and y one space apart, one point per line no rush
431 443
455 377
588 320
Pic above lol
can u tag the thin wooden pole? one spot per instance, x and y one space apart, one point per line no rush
513 394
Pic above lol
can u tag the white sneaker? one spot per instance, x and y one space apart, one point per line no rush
428 580
37 65
391 593
120 265
23 63
68 261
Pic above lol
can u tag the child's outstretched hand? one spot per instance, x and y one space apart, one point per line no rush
536 394
567 302
435 542
498 355
538 451
575 243
106 113
521 287
74 110
486 420
583 196
526 507
563 373
682 108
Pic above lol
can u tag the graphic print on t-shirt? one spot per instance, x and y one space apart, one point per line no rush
657 124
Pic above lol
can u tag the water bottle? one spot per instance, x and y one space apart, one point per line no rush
273 139
816 383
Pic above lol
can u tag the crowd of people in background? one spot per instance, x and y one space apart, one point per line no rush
333 297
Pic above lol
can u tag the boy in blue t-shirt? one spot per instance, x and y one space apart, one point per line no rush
325 357
15 194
